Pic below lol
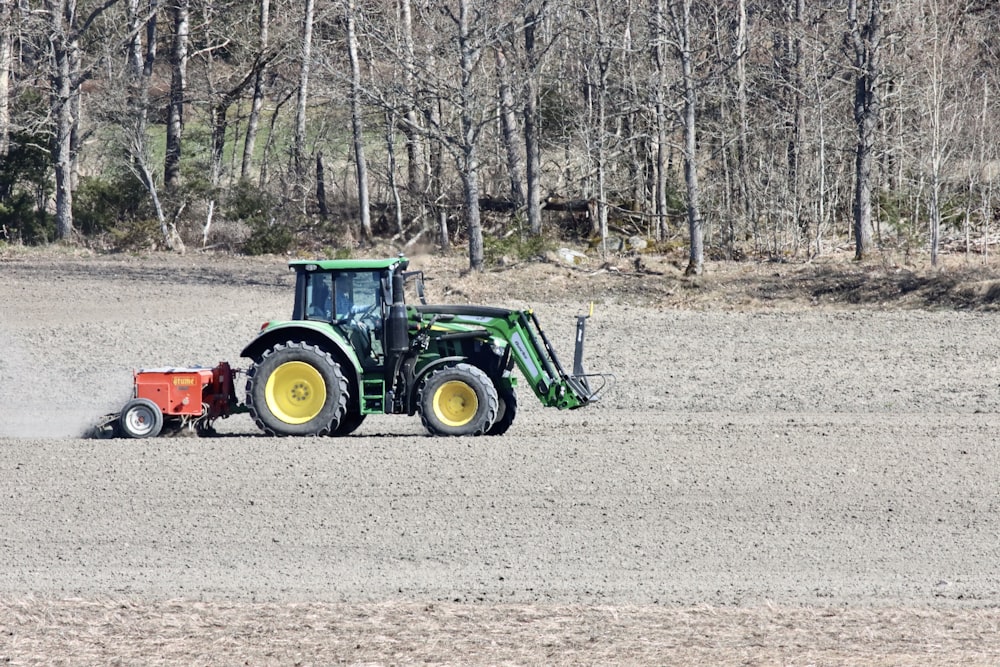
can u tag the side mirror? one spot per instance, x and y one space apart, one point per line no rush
419 277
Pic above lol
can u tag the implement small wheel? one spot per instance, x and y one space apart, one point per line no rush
140 418
506 412
458 400
296 389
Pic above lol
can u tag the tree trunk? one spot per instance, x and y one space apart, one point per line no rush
509 130
470 188
937 144
76 102
62 15
324 212
631 129
390 153
866 40
269 143
357 127
985 188
220 123
253 119
6 64
747 207
436 182
469 166
415 147
298 146
795 88
821 162
658 36
596 95
178 91
682 29
943 117
532 146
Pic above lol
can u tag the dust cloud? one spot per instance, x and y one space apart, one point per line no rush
43 398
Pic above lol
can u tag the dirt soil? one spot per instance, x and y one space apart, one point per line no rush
798 464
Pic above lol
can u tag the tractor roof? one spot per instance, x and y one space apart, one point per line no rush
346 264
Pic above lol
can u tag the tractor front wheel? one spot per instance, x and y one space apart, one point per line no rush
296 388
458 400
506 412
141 418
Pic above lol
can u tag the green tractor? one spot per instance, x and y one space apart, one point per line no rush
354 347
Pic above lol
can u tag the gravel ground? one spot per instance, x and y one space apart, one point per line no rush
754 470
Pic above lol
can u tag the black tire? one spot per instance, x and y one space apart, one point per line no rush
140 418
296 388
458 400
506 411
349 423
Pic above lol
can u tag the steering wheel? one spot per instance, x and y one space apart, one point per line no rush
366 314
358 318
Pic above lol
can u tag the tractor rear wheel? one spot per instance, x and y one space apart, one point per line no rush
349 423
458 400
141 418
506 412
296 388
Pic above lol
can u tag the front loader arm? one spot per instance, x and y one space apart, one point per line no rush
530 348
538 361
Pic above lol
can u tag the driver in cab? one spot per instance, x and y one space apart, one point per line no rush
356 307
344 298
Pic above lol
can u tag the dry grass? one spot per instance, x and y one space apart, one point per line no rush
110 632
833 281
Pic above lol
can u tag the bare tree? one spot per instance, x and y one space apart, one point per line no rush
62 17
67 74
139 70
509 131
532 145
747 209
469 54
743 94
795 86
986 179
298 145
257 103
415 150
597 73
357 125
680 16
942 109
178 91
224 87
435 157
7 8
658 37
455 113
865 35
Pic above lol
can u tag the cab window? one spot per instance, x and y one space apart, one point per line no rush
319 296
357 293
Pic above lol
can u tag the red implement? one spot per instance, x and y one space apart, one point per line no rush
174 399
188 391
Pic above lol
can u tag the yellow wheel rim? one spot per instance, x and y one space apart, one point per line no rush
295 392
455 403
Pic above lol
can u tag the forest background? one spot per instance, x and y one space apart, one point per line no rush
737 128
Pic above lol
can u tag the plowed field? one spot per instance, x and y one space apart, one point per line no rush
798 464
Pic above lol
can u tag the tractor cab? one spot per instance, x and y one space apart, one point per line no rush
353 301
